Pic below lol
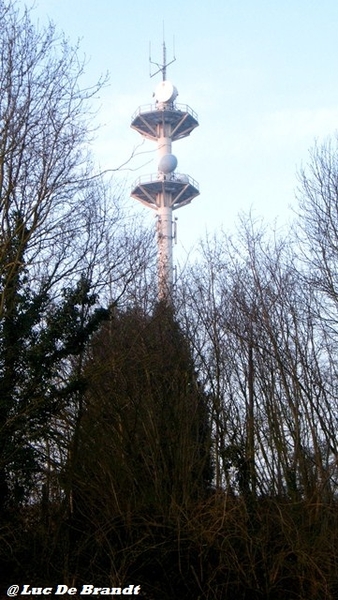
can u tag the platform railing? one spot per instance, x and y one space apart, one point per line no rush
149 108
157 177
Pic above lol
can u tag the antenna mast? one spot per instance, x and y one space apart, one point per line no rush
163 67
166 190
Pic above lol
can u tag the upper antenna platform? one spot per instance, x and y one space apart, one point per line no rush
162 68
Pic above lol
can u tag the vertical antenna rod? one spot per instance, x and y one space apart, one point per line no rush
164 69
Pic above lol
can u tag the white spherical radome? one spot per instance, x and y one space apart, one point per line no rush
167 164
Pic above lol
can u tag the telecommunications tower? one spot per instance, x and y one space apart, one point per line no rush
165 122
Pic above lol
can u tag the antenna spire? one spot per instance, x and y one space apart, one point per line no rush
161 68
164 68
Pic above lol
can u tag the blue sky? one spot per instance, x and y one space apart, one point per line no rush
261 75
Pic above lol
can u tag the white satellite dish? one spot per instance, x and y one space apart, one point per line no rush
165 92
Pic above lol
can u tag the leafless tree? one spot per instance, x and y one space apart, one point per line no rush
62 223
252 317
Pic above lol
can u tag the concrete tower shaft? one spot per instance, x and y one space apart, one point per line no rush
165 251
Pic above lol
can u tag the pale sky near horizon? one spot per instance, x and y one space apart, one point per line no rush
261 75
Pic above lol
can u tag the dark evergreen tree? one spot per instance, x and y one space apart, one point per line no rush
144 445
